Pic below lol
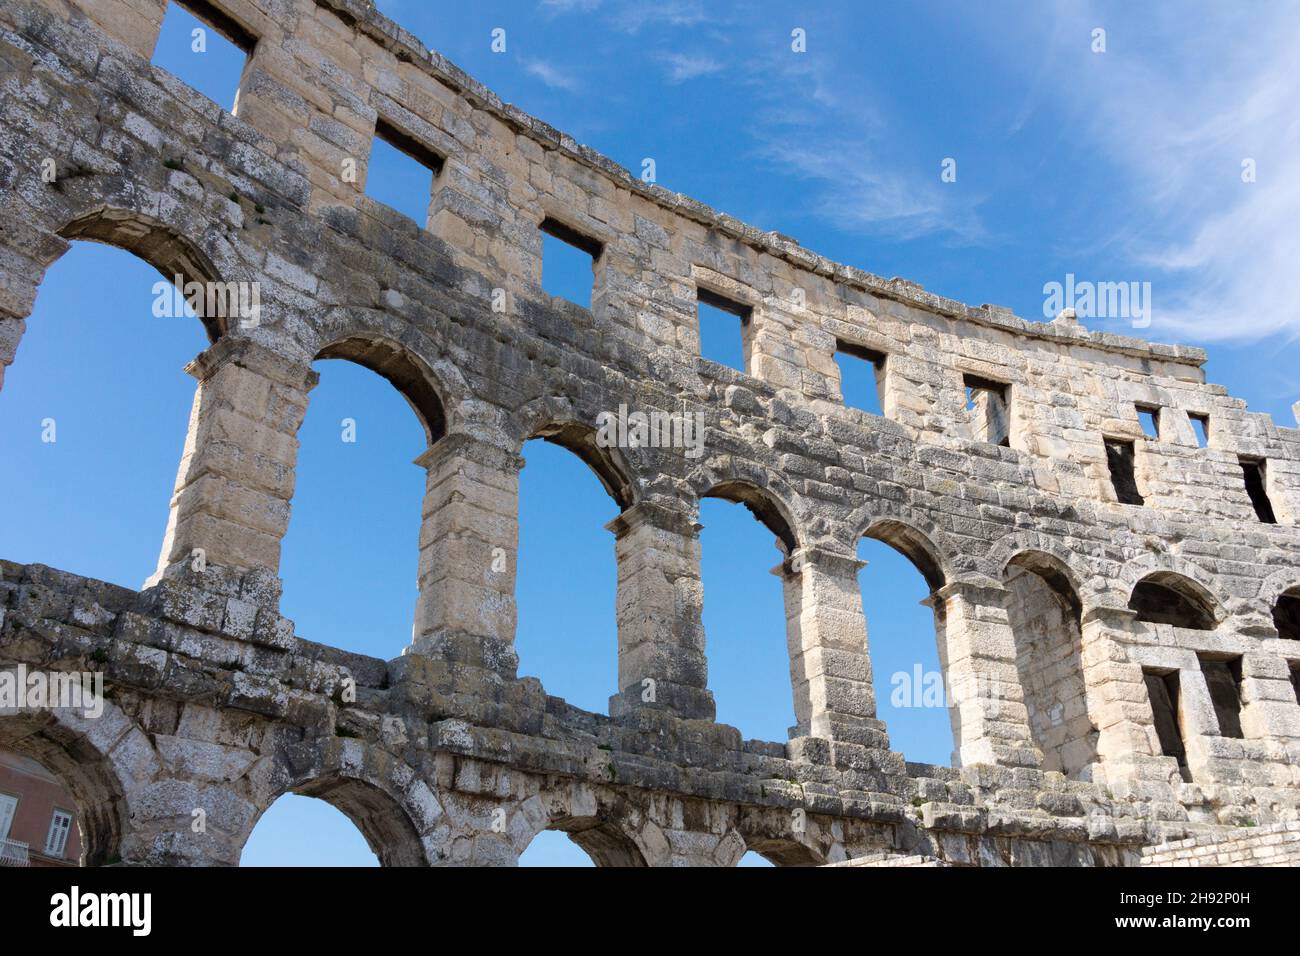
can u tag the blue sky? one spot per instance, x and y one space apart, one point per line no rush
1114 166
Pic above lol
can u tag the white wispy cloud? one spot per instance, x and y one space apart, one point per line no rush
569 6
859 194
551 75
632 16
814 123
684 66
1179 99
636 15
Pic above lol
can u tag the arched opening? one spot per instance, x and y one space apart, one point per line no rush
1167 598
745 610
171 255
581 842
333 821
553 848
906 636
567 576
302 831
64 804
1045 616
95 409
1286 615
350 556
778 851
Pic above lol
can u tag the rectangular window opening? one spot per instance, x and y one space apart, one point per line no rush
205 47
722 338
1223 678
1163 689
1149 418
568 262
57 840
1252 470
8 807
988 408
1201 429
401 171
1120 459
862 377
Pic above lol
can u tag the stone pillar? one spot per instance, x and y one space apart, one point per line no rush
977 651
1199 723
1117 700
469 544
826 630
11 333
1269 708
661 660
236 477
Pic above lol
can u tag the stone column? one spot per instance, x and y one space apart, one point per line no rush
977 651
230 508
11 333
1117 700
661 660
1269 708
469 544
1200 725
830 668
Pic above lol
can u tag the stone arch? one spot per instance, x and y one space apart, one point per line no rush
165 245
394 809
1279 602
160 244
611 830
103 762
1199 581
1286 614
1045 613
788 837
1284 581
415 358
556 420
1050 557
605 843
1167 597
915 544
404 370
766 495
1054 571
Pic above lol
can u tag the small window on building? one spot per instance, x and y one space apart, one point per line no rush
57 840
1149 417
401 171
1223 678
1119 457
1201 429
862 377
8 807
1163 689
722 337
988 409
1252 470
206 48
1295 679
568 262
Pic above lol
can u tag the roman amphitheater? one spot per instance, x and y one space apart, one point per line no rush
1117 615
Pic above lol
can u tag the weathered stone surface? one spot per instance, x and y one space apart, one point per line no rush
444 755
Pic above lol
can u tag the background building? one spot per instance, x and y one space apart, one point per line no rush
38 819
